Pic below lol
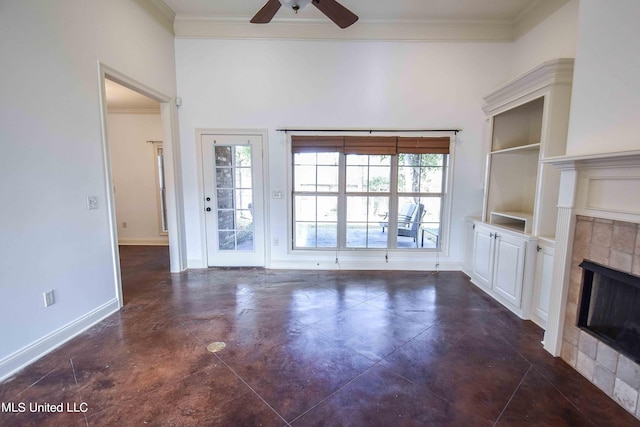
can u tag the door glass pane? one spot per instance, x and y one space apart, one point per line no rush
242 156
224 178
223 156
243 178
225 220
244 221
227 240
245 240
225 199
234 198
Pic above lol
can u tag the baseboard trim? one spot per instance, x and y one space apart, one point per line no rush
159 241
29 354
364 265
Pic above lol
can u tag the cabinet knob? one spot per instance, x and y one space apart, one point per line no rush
208 209
538 248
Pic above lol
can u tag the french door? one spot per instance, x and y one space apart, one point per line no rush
233 203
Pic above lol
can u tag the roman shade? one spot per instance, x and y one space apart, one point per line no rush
380 145
423 145
370 145
317 144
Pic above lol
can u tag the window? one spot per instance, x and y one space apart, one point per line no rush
316 199
350 192
368 188
162 190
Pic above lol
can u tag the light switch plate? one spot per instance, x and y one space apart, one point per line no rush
92 202
49 298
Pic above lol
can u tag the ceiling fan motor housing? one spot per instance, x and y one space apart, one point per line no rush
332 9
294 5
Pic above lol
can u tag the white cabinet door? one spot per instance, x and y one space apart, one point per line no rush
483 254
542 285
503 265
508 267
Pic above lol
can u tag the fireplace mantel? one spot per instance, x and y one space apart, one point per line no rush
585 161
601 185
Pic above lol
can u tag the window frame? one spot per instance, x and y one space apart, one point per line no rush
161 187
443 246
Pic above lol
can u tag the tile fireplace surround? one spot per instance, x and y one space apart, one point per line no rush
598 220
615 244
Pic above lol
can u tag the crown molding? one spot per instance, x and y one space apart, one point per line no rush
159 10
314 29
553 72
534 15
218 27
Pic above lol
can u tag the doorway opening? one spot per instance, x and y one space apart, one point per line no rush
139 130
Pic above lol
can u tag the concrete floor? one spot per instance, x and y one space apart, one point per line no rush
305 348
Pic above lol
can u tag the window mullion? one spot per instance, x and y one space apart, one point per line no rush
342 201
392 236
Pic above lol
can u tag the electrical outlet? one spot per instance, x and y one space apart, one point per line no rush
49 298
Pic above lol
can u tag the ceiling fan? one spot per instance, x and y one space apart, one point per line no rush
339 14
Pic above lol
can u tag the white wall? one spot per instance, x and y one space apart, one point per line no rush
605 107
325 84
553 38
135 180
51 159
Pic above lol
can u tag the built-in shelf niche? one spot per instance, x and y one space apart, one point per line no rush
518 127
512 187
517 221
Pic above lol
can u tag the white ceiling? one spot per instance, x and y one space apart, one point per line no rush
368 10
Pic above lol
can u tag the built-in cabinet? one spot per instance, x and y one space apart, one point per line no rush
509 254
498 263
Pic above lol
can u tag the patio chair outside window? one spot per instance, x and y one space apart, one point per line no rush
411 228
404 216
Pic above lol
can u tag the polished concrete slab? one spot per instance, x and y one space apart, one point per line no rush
305 348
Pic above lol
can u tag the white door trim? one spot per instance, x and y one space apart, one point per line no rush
263 133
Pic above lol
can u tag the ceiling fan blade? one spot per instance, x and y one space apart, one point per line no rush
266 14
339 14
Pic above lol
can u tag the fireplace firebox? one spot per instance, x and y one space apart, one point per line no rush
610 307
